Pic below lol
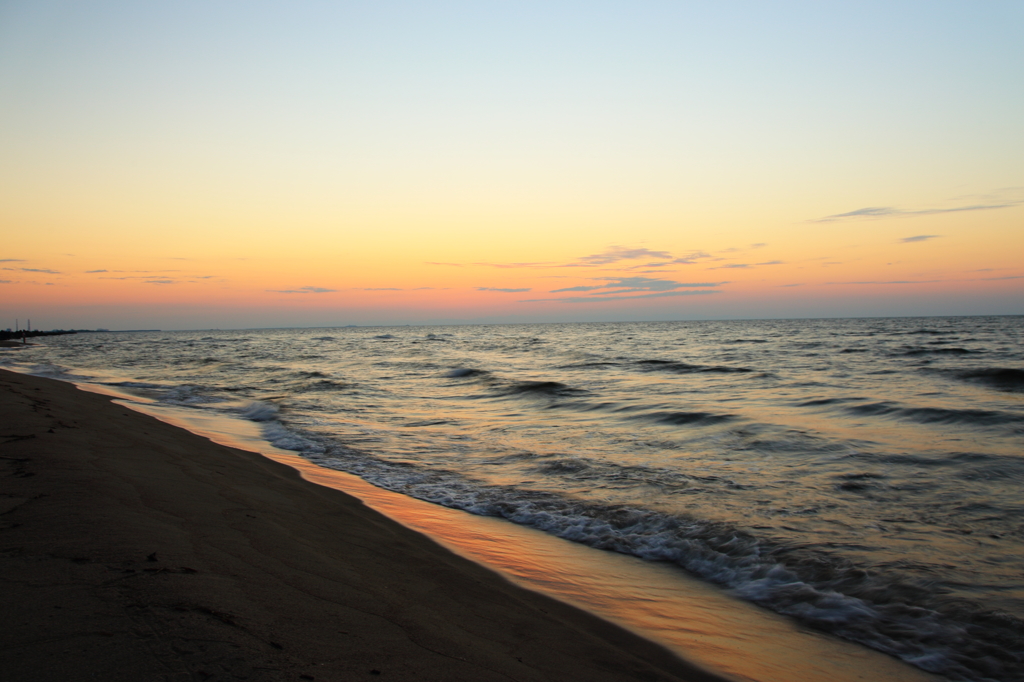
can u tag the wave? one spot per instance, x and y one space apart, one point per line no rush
460 372
313 381
132 384
427 422
327 385
188 395
281 437
881 608
260 411
828 401
1002 378
51 371
537 388
583 365
858 481
649 413
937 415
686 368
684 418
911 352
584 406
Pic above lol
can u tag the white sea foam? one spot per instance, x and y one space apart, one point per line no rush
260 412
280 437
188 395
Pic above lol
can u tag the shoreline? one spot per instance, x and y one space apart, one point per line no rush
133 549
718 632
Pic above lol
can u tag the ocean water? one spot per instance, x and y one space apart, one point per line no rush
864 476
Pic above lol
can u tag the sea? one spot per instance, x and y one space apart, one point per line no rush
862 476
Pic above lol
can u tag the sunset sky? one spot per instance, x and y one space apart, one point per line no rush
182 165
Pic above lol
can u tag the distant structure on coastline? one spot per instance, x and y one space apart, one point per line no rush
28 333
7 334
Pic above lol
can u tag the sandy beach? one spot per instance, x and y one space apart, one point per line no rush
134 550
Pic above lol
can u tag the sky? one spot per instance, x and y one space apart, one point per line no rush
207 164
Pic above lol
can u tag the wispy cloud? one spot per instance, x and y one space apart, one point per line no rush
519 265
616 257
626 285
628 288
620 256
1005 200
611 256
391 289
580 288
145 274
302 290
606 299
91 272
160 281
12 260
615 254
743 266
507 291
690 259
999 196
5 281
933 281
896 281
42 270
919 238
736 249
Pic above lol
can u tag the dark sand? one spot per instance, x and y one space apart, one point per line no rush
133 550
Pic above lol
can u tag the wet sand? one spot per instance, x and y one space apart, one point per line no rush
135 550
